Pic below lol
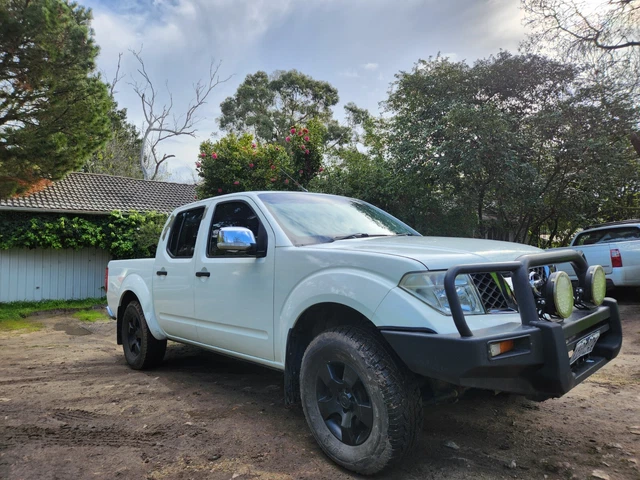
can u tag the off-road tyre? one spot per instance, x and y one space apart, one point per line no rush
141 349
391 390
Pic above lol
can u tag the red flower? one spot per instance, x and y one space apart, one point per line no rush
321 169
198 164
288 139
273 179
277 149
293 130
304 130
251 165
214 155
236 182
273 167
203 154
286 182
253 145
306 152
301 147
219 190
300 133
306 138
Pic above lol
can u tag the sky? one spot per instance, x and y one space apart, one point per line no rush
356 45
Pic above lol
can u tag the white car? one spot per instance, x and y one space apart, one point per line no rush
361 312
615 246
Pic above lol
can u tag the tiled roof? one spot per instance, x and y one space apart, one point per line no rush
89 192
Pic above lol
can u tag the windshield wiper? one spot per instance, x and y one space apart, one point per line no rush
405 235
358 235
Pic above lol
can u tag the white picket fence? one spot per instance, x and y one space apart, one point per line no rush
38 274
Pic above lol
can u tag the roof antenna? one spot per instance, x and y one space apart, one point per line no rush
293 180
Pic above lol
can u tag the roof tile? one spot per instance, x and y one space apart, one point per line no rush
90 192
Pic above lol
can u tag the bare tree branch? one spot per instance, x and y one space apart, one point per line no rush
116 78
161 123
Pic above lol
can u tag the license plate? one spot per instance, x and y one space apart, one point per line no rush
584 346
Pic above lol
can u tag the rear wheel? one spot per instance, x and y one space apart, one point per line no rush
363 407
141 349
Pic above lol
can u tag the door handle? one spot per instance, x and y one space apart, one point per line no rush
162 273
203 274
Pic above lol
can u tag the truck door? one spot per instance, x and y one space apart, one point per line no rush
173 276
234 291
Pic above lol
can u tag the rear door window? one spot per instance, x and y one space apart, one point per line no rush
184 233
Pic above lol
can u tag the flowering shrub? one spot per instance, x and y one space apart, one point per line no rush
240 163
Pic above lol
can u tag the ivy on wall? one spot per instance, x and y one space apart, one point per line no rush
123 235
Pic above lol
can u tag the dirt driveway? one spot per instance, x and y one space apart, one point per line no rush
71 408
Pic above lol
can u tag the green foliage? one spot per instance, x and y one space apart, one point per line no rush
53 109
237 164
120 155
519 142
131 235
266 106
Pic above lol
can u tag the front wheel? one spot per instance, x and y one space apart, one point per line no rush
363 407
141 349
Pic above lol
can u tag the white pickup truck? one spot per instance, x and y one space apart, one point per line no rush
364 316
615 246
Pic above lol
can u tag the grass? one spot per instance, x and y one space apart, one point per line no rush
13 316
90 315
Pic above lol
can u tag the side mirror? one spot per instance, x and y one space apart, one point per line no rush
238 239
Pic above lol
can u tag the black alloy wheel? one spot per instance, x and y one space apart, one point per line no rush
141 349
344 403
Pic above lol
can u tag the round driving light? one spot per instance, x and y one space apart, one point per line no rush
596 284
559 295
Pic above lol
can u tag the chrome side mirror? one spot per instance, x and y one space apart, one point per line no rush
237 239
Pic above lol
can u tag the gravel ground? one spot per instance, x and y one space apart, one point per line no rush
71 408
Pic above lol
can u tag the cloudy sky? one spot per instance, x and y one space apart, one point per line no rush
356 45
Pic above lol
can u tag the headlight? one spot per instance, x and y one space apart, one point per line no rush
596 284
429 287
559 295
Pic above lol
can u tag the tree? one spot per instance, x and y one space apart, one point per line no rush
120 155
267 106
53 107
161 123
241 163
604 35
521 141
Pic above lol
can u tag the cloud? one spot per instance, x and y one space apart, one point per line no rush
370 66
349 73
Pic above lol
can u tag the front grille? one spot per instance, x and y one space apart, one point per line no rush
492 298
540 271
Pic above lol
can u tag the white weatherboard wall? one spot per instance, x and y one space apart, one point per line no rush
38 274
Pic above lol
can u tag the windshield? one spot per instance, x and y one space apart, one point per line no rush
309 218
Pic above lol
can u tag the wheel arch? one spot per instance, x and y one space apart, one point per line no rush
312 322
135 289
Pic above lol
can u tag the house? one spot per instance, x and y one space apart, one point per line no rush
40 274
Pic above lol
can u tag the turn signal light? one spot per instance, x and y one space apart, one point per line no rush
498 348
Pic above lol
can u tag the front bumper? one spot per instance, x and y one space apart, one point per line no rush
538 367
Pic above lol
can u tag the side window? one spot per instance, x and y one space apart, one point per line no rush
182 241
232 214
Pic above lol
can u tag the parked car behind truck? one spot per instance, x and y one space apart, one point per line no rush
361 312
615 246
